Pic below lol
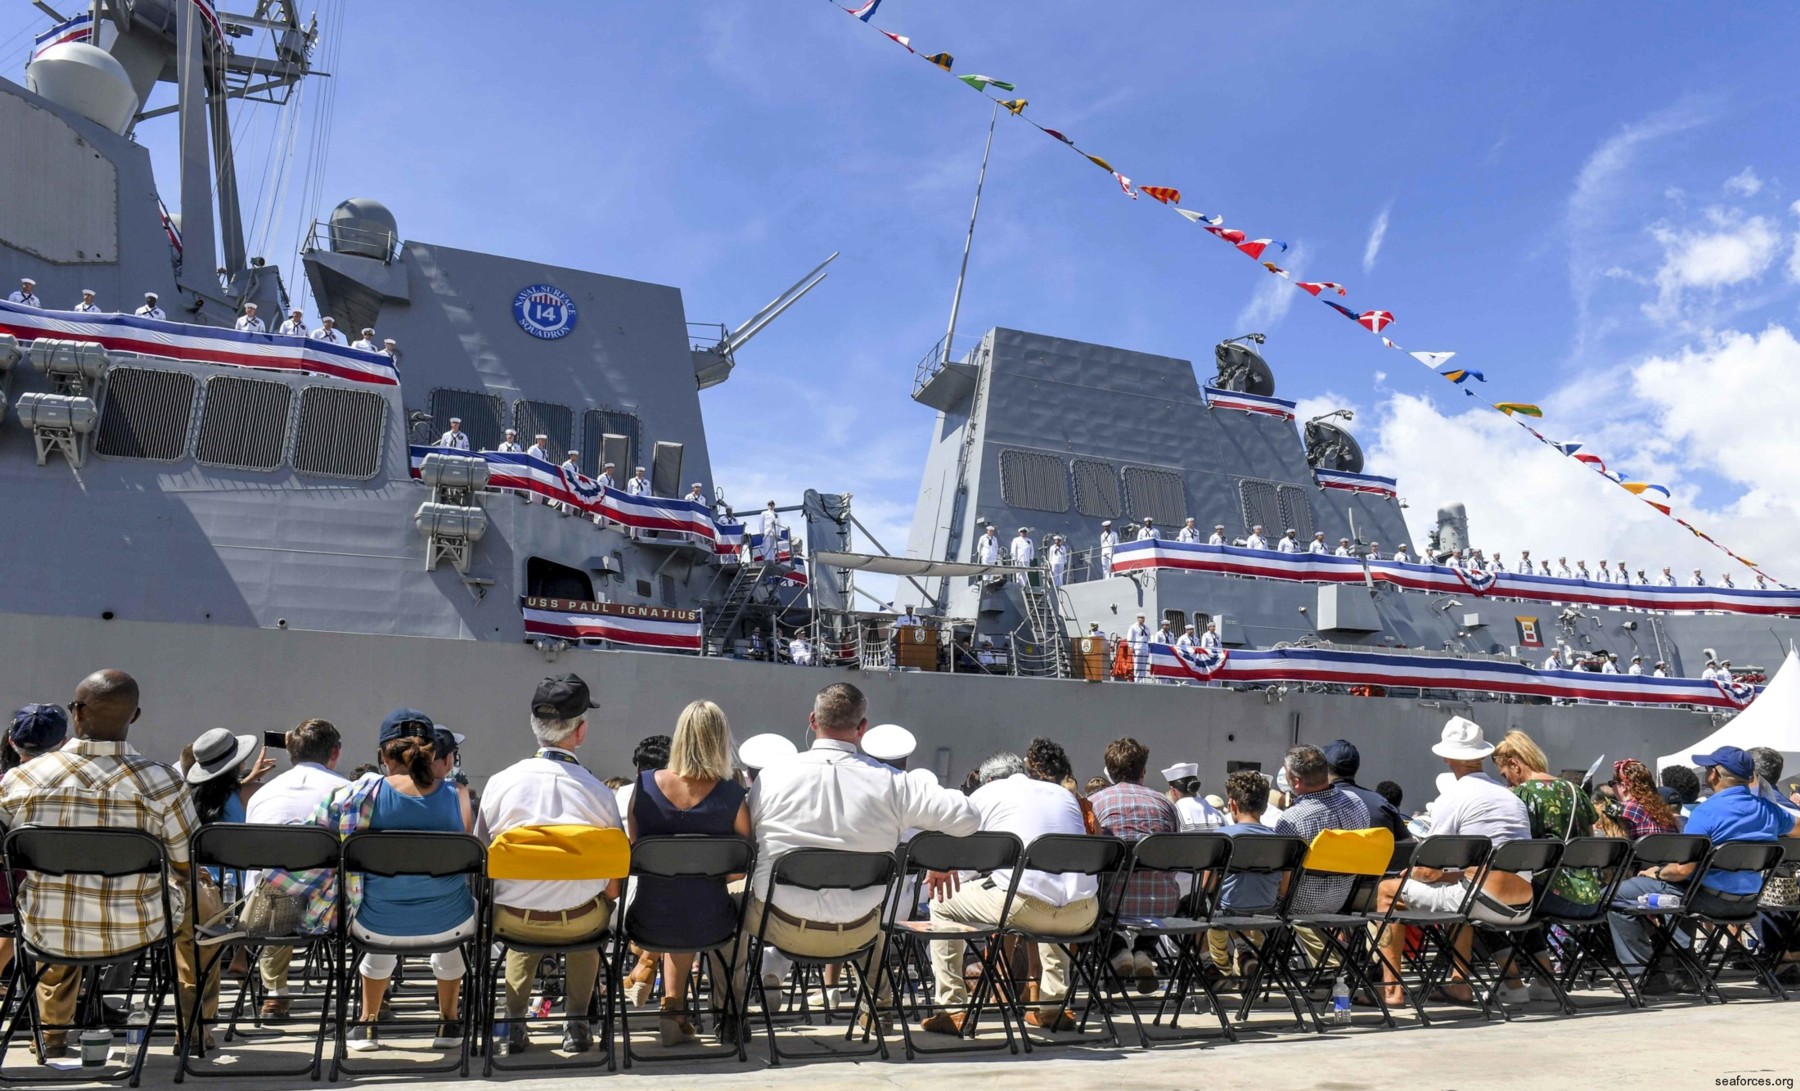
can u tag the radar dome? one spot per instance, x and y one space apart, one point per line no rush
87 80
1243 369
364 228
1329 447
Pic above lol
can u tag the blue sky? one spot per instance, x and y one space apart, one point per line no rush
1590 203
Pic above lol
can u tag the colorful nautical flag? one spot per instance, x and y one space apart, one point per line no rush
982 83
900 39
1461 375
1523 409
1165 194
864 11
1314 287
1375 321
1125 184
1341 309
1199 217
1094 159
1060 137
1230 234
942 60
1255 247
1276 269
1015 106
1432 360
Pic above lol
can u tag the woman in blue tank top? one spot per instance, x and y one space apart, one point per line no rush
413 797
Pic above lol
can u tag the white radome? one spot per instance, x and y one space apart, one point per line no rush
87 80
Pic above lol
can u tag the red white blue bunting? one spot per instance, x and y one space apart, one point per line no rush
1360 483
640 632
1248 403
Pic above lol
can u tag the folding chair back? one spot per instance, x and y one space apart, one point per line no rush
1186 852
832 869
1755 857
684 856
102 853
1075 853
242 847
559 852
991 851
1661 849
1606 854
1263 855
389 853
1451 853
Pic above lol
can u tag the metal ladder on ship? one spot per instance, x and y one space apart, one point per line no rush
730 611
1044 617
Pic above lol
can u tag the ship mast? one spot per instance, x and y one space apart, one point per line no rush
969 240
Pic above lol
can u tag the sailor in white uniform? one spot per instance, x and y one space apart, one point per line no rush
1138 636
1164 634
1725 580
1343 549
1148 533
572 464
295 326
27 293
150 309
1108 540
1317 545
87 304
456 439
1642 580
696 493
391 349
1455 560
606 476
1698 580
1059 560
249 323
987 547
1609 664
510 445
1289 543
1374 551
328 332
1497 563
540 447
367 341
1661 671
1624 574
639 485
1637 665
1544 568
1581 571
800 651
1188 532
1562 569
1209 640
1554 661
1256 539
1400 554
1603 574
1667 579
1186 639
1525 562
1024 551
1218 535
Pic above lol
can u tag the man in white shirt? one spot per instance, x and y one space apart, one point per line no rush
551 788
1165 634
1400 554
1059 560
150 309
290 800
1184 791
1637 665
1562 569
639 485
800 650
1343 549
1138 636
832 796
1028 804
1288 543
27 293
295 326
1317 545
87 304
1256 539
1024 551
367 341
1188 532
1209 640
1698 580
510 445
1108 542
1148 532
1218 535
987 547
540 447
1186 639
606 477
249 323
456 439
696 493
907 617
328 332
1581 571
572 464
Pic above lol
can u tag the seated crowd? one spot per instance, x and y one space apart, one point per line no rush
850 791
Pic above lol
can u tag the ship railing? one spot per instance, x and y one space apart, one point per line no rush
358 241
934 359
707 336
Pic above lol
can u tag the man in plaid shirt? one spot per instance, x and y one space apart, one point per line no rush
97 780
1130 811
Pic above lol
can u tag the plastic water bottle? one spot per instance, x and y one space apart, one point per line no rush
1659 901
137 1024
1340 1002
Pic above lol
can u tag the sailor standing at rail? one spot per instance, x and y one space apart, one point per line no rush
1148 533
1256 539
1581 571
1186 639
1188 532
771 526
249 323
367 341
606 476
572 464
1343 549
150 309
1667 579
987 547
1400 554
1496 565
639 485
1317 545
1163 635
295 326
510 445
1024 551
1108 540
328 332
1562 569
1289 543
1059 560
1698 580
27 294
1209 643
1637 665
456 439
1218 535
87 304
540 447
1138 636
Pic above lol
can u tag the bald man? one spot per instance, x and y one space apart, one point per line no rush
98 781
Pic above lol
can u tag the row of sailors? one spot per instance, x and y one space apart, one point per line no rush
637 485
1564 658
247 322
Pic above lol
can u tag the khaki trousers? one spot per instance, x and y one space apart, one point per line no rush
59 988
981 904
583 966
273 964
821 940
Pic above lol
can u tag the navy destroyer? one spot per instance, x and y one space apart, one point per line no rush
264 528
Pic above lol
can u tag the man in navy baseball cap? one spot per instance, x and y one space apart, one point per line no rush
406 723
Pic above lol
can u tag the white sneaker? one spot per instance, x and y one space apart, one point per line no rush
362 1038
1538 990
1512 994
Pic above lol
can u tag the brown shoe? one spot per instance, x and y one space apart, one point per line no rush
275 1009
869 1023
1062 1020
944 1022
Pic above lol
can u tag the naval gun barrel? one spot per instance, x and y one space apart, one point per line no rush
753 325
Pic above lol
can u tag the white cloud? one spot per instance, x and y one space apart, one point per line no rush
1270 302
1745 183
1730 249
1377 236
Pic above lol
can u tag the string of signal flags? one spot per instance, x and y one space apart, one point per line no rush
1263 251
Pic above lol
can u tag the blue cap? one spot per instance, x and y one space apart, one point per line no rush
38 728
445 741
1342 757
404 722
1731 759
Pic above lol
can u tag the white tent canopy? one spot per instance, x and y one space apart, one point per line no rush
1772 720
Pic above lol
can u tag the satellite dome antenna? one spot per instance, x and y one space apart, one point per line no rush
1330 447
1242 368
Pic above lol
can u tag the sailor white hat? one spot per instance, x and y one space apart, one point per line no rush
26 280
1181 770
1218 526
455 420
1189 625
1318 534
640 469
152 295
762 751
1140 613
88 291
541 435
511 432
889 742
1291 530
1106 522
695 485
1024 530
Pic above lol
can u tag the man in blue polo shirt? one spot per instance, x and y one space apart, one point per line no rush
1731 813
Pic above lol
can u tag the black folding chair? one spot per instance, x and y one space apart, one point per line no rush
1727 918
390 854
686 856
1100 859
1346 933
1437 958
820 870
1169 856
1656 851
241 848
1536 858
1262 929
978 852
106 855
1584 941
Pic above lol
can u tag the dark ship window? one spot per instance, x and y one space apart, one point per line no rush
1296 510
483 417
1033 481
1155 494
549 580
557 422
609 435
1177 620
145 414
1262 506
243 423
340 432
1096 489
